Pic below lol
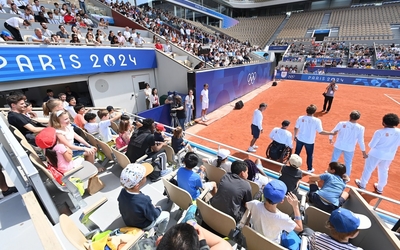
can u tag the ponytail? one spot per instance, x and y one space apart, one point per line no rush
219 161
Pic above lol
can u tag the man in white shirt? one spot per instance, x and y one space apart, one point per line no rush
349 133
281 138
204 102
36 6
304 134
127 33
139 41
383 148
88 21
256 126
57 16
51 18
38 37
27 15
45 31
12 24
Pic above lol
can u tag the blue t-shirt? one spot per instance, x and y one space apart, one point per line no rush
189 181
332 189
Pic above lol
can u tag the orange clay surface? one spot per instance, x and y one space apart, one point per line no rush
288 101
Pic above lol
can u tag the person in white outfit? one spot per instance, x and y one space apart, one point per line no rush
204 102
281 138
383 148
256 126
349 133
304 134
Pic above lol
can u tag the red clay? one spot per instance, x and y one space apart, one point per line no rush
288 101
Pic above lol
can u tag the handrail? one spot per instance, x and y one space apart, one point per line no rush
374 207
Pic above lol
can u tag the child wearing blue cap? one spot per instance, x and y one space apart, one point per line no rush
267 219
343 225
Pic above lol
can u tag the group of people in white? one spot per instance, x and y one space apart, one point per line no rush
383 145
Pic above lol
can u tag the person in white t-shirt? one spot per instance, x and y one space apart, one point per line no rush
281 138
349 133
104 126
127 33
147 93
266 217
304 134
204 102
383 148
256 126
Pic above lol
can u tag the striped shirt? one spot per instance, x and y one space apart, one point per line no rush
321 241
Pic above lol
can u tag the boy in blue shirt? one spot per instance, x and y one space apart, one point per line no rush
135 207
191 181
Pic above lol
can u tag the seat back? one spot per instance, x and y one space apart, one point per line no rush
255 240
170 153
379 235
217 220
254 188
285 207
105 149
38 163
177 195
28 147
92 140
315 219
20 137
114 127
214 173
121 158
72 232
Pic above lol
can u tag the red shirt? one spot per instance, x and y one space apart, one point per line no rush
69 19
159 46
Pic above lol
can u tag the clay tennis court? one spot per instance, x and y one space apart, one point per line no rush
288 101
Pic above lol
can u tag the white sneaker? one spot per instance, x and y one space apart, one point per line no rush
251 150
255 147
311 170
203 119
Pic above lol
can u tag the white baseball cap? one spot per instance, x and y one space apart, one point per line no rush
295 161
134 173
223 153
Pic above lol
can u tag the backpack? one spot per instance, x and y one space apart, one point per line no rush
156 174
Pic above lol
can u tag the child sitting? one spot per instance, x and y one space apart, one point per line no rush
91 126
267 219
159 133
177 141
135 207
191 181
104 126
344 225
124 134
291 175
332 195
79 118
57 155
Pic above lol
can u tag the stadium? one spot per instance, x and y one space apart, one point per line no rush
207 68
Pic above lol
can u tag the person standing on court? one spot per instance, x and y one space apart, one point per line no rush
256 126
329 94
304 134
383 147
13 25
204 102
349 133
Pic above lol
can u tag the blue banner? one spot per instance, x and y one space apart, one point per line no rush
25 63
318 60
227 21
352 71
375 82
277 48
321 31
228 84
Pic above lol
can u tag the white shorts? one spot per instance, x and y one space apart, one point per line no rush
204 105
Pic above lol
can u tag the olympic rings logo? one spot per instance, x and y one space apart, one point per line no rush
251 78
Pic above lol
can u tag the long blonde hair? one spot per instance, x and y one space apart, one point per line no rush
50 105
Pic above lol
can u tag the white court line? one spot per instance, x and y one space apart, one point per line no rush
391 98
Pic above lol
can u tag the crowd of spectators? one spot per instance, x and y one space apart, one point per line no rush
216 49
388 57
361 56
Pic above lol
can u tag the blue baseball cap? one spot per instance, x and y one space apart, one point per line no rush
275 191
345 221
